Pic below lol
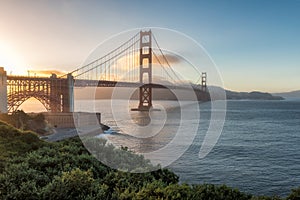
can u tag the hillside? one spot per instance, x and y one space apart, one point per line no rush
15 142
292 94
164 94
252 95
255 95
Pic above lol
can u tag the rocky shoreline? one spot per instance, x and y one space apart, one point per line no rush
58 134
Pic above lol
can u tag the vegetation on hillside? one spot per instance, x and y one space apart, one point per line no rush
16 143
23 121
34 169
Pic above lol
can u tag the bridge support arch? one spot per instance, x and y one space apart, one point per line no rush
61 94
56 94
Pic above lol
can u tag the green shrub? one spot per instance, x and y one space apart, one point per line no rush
295 194
75 184
213 192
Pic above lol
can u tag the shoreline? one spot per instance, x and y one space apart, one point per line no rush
65 133
60 134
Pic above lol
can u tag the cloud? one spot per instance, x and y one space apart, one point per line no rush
46 72
172 59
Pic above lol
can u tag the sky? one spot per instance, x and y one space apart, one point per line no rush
254 43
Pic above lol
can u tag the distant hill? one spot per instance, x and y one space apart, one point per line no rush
292 94
122 93
255 95
252 95
163 94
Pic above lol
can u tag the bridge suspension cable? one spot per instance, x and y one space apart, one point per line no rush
123 61
162 67
167 62
102 64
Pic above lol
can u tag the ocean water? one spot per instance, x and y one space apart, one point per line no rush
258 151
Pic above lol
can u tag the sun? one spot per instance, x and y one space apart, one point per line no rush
11 60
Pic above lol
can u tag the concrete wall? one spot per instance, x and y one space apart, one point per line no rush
69 120
3 91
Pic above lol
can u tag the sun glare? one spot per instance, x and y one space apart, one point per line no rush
12 62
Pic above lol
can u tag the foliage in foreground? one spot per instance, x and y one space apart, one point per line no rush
14 142
34 169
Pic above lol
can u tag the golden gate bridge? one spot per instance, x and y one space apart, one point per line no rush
135 59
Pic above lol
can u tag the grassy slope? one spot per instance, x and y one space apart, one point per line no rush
14 142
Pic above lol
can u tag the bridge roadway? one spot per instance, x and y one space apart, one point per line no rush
200 94
104 83
25 78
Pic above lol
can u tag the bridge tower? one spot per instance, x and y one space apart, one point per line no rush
62 94
145 91
3 91
68 94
